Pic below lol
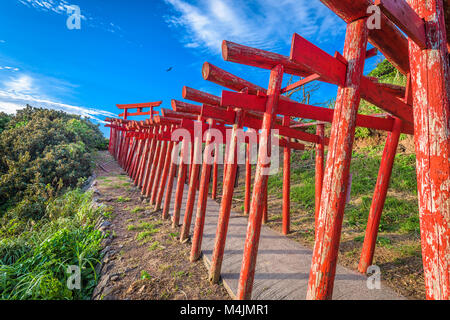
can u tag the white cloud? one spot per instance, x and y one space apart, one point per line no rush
59 7
62 6
17 92
9 68
266 24
2 41
21 84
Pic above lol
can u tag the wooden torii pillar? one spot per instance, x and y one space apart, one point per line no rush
424 55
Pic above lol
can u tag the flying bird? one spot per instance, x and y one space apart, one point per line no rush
169 69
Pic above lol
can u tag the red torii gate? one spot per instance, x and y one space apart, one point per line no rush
421 108
352 86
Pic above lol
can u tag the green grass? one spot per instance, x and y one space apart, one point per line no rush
179 274
143 226
154 246
145 235
137 210
145 275
174 235
108 212
34 264
400 213
121 199
382 241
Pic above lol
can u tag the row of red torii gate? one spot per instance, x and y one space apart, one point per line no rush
412 35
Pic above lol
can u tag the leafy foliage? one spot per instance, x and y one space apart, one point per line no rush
386 73
4 119
42 153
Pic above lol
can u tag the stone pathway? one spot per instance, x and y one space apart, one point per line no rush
283 265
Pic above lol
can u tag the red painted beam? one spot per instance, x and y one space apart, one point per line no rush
139 113
200 96
139 105
260 58
329 68
301 83
178 115
399 12
378 95
298 110
388 39
228 80
333 70
180 106
227 116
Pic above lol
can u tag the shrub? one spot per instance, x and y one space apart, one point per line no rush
42 154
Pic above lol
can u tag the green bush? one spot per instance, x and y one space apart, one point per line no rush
42 153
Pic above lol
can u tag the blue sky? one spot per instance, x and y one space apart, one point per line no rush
123 49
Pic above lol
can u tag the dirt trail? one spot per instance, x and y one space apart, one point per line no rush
143 256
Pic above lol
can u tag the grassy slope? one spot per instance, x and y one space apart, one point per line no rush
34 264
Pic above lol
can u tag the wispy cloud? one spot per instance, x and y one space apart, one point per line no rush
17 92
9 68
59 7
266 24
62 6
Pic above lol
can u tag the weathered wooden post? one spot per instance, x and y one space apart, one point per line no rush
320 131
215 172
265 214
230 166
181 179
137 179
248 178
150 160
159 170
165 174
286 183
154 165
170 181
379 197
202 196
332 203
260 186
193 182
431 95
